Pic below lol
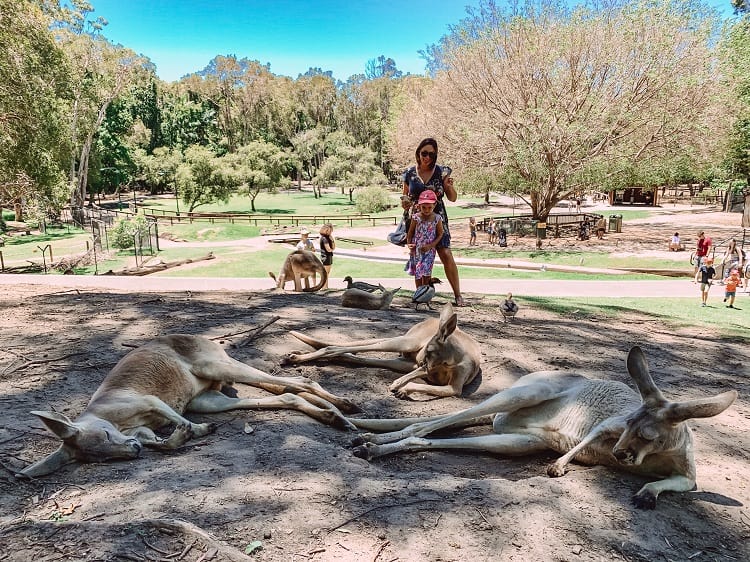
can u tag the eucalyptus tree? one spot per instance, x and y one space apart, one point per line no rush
33 92
554 100
736 65
255 167
201 178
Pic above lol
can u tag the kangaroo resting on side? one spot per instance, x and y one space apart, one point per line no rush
592 421
435 351
154 384
298 265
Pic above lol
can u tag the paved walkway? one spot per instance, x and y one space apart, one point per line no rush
519 287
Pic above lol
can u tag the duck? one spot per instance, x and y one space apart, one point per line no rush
508 308
424 294
361 285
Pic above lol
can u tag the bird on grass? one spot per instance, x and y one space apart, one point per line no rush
424 294
508 308
361 285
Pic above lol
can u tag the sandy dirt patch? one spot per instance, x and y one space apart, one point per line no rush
293 484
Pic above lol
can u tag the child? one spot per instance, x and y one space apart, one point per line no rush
305 243
730 288
472 231
425 231
706 272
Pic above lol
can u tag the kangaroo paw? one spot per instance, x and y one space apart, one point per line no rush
644 500
364 452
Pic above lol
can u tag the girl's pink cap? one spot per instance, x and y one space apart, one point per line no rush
427 196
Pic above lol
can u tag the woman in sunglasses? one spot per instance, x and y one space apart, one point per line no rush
427 175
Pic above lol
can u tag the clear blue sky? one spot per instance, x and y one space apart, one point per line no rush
182 36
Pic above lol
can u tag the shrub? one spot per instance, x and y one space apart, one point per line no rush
122 235
371 199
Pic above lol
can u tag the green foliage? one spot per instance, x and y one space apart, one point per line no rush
371 199
254 167
200 178
123 234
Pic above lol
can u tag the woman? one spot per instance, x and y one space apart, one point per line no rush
427 175
732 258
327 246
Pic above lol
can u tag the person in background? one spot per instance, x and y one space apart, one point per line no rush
675 245
732 258
730 286
472 231
705 273
601 227
702 249
327 246
305 243
428 176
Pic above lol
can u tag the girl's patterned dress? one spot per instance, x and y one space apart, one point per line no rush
424 233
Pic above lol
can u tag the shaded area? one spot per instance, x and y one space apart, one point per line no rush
293 485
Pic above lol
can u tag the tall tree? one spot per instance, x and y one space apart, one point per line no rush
556 100
33 92
256 167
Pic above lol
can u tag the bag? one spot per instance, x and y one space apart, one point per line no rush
398 236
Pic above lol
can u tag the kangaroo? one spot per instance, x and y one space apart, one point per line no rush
153 385
592 421
434 350
298 265
358 298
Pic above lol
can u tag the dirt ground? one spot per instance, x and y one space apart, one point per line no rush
293 485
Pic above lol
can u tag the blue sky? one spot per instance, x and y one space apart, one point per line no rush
181 36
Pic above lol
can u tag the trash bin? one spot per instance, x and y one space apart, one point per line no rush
541 230
615 223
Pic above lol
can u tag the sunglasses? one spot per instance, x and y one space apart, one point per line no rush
428 153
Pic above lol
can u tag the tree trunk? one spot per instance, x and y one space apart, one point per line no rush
18 209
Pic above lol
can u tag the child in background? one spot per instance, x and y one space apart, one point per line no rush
730 286
706 273
327 246
425 231
472 231
305 243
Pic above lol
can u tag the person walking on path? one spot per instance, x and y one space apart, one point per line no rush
327 246
730 286
703 247
425 232
732 258
428 176
705 273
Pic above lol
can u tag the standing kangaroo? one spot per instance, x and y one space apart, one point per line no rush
298 265
435 351
154 384
589 420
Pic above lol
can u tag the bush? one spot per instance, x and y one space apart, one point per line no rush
122 235
371 199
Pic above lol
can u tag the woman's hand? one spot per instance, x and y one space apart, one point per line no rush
450 189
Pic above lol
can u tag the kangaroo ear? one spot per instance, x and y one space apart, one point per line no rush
638 369
448 322
58 424
700 408
48 464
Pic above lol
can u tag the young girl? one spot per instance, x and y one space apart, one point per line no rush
327 246
425 231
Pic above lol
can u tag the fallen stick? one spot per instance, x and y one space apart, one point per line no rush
256 332
177 525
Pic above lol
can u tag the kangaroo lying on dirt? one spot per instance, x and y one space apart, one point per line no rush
358 298
298 265
154 384
435 351
592 421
